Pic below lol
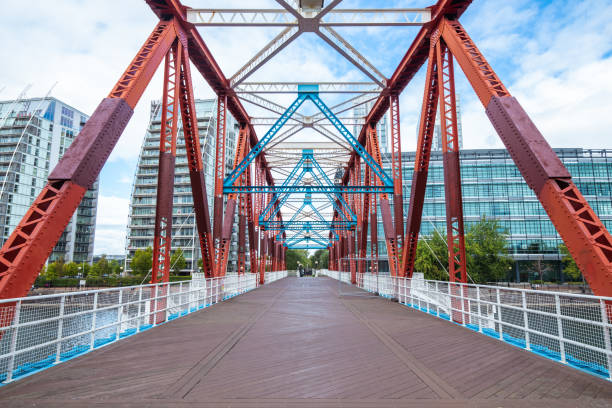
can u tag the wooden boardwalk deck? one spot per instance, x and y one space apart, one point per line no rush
310 343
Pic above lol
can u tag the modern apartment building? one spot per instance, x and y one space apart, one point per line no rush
492 186
140 230
34 134
382 129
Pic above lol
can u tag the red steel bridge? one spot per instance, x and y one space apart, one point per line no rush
263 177
308 195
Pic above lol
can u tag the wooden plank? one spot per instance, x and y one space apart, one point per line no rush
305 342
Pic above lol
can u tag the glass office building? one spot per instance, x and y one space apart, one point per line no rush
141 224
34 134
493 187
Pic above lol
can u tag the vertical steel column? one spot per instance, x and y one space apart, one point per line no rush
167 157
219 169
365 213
452 175
241 265
396 173
194 162
251 226
373 218
421 162
385 208
230 209
351 233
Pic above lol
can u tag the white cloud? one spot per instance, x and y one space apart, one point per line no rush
550 58
111 224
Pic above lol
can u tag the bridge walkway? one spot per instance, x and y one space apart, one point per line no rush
308 342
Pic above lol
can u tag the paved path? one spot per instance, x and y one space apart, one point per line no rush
309 342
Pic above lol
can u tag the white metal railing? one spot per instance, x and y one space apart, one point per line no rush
40 331
274 276
572 329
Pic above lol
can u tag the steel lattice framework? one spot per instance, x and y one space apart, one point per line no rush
341 186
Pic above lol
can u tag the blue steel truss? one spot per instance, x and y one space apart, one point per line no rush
301 225
308 164
308 240
335 189
306 92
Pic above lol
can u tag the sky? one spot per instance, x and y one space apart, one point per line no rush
554 56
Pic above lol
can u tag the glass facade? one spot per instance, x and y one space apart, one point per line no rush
141 224
34 134
493 187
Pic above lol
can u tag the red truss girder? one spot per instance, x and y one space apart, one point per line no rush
195 166
582 231
167 158
457 267
396 171
219 168
31 243
222 252
421 166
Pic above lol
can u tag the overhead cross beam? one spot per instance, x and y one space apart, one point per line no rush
297 22
397 17
324 87
307 92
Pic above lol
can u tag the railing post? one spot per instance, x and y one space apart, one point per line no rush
60 329
560 328
499 313
167 302
93 322
438 302
526 320
462 298
450 298
119 313
479 309
180 298
138 325
606 329
13 349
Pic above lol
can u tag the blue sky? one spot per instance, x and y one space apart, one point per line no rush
554 56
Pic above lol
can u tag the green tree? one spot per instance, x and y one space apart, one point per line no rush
114 268
51 271
569 265
320 259
486 252
84 269
100 268
71 269
486 247
200 265
142 261
177 261
296 255
59 267
432 257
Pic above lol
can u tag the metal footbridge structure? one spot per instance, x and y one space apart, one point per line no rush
291 193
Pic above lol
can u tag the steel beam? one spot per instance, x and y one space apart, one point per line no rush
457 261
195 165
405 17
167 157
421 166
587 239
30 244
324 87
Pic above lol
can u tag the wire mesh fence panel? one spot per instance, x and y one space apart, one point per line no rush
37 332
573 329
